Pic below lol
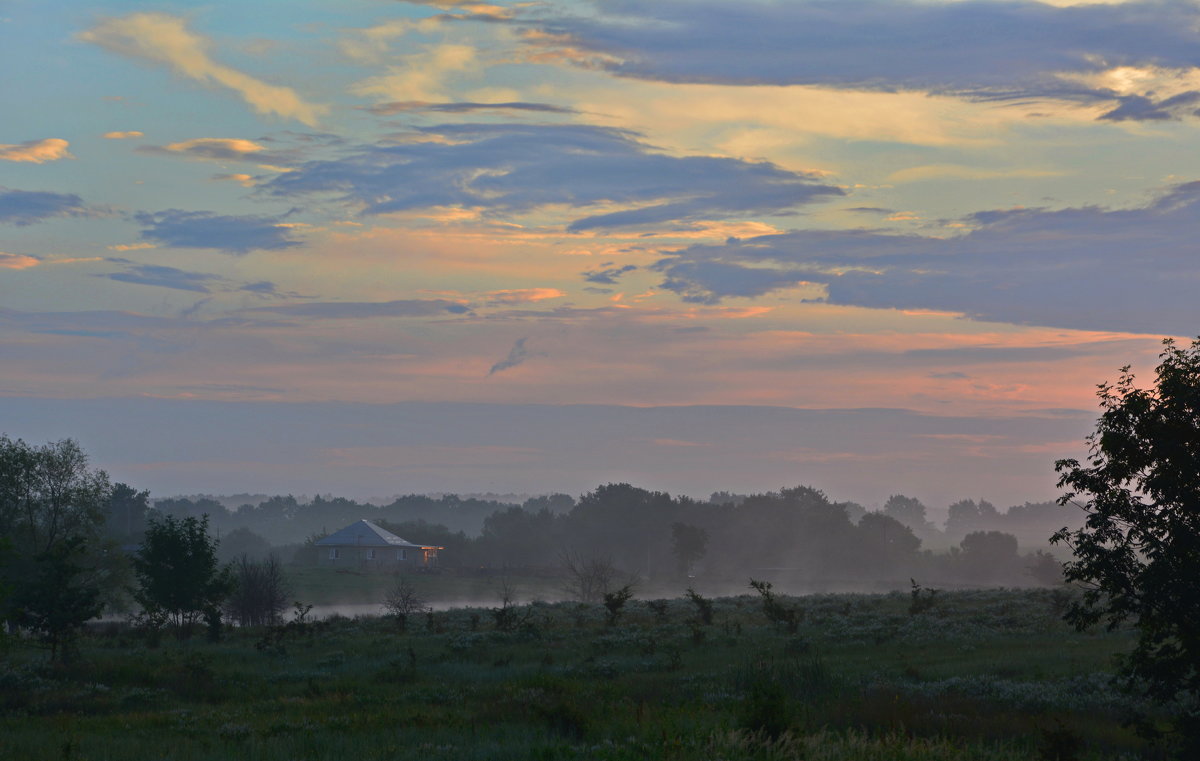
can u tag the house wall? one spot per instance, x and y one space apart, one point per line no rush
384 557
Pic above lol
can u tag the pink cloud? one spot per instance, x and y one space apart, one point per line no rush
17 261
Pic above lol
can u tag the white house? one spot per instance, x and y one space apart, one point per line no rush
365 544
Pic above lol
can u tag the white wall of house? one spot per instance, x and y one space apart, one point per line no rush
379 556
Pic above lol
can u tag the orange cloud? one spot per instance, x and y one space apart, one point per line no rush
130 246
126 135
217 148
17 261
524 295
36 151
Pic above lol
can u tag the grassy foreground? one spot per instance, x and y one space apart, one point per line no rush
990 675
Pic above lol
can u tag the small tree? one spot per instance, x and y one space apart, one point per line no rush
403 599
1045 569
614 602
704 606
260 592
775 611
1138 554
177 572
587 578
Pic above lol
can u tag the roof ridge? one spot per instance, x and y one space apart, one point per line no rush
378 536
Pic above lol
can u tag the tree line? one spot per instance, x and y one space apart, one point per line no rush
79 544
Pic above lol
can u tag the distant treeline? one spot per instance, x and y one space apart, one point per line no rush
796 535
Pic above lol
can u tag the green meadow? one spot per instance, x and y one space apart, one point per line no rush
989 674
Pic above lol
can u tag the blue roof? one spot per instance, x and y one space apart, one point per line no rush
364 534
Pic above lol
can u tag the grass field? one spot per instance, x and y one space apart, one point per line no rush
989 675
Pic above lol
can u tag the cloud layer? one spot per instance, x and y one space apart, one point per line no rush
232 234
512 169
979 49
1091 268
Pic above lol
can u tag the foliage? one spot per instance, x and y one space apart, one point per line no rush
307 553
615 601
986 554
58 597
1138 555
52 510
921 599
508 616
125 513
704 606
775 611
908 510
688 543
6 589
966 516
822 543
885 544
48 494
1045 569
243 543
260 592
177 571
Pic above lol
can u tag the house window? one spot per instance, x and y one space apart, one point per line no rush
333 553
370 554
404 554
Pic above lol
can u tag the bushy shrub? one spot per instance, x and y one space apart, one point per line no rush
775 611
704 607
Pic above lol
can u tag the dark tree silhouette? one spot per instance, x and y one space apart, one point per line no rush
260 592
58 597
52 510
178 574
1138 555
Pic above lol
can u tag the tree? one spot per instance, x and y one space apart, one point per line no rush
885 545
48 494
1138 554
908 510
403 599
987 555
966 516
243 543
260 592
177 572
689 543
52 509
57 598
588 579
125 514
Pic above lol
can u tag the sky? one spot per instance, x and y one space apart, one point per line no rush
371 247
